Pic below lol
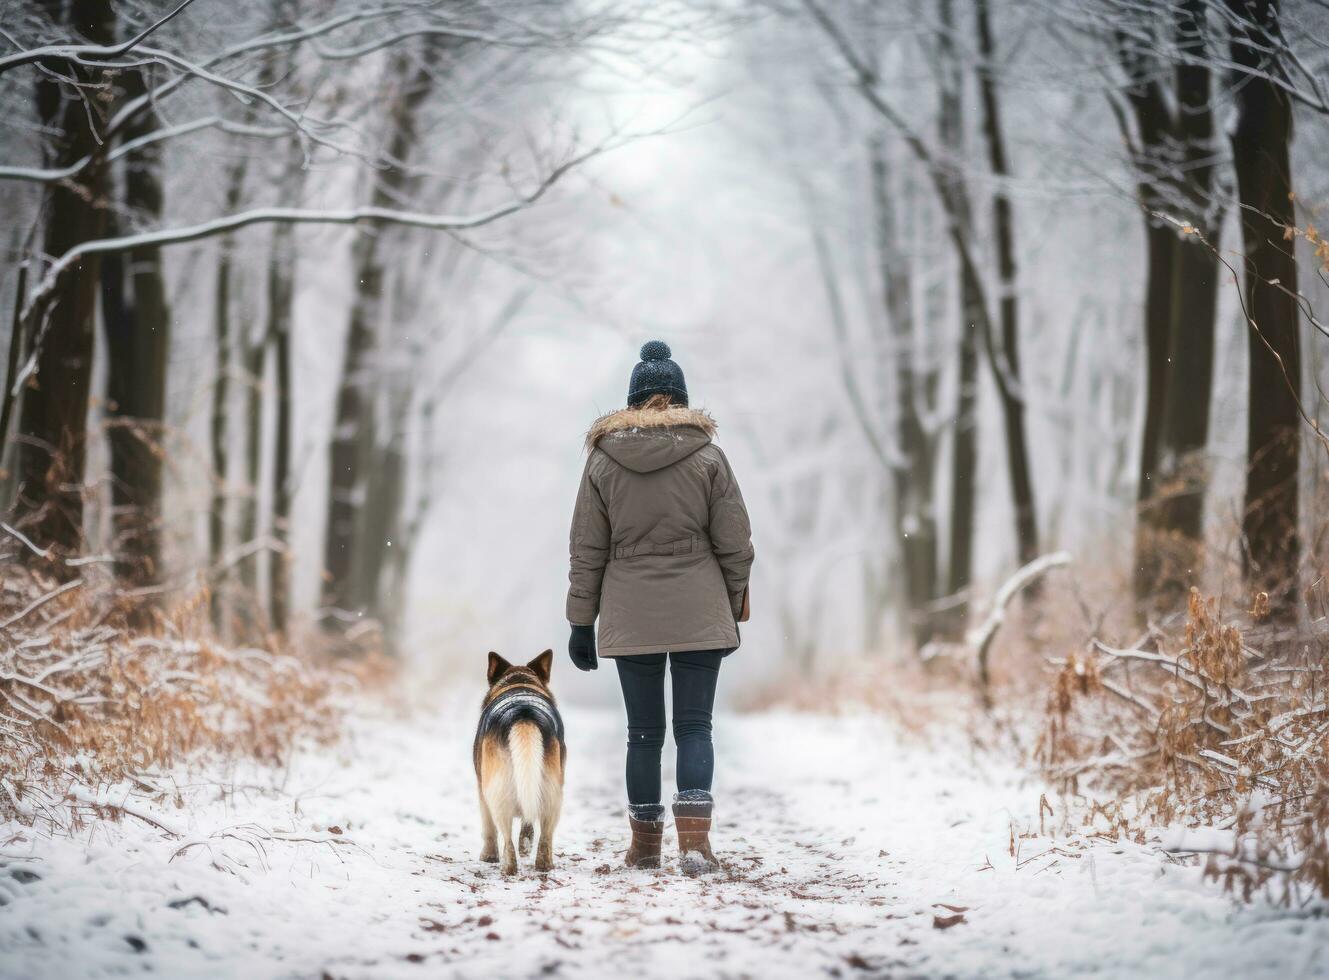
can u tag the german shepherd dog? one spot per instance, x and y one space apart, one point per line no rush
519 759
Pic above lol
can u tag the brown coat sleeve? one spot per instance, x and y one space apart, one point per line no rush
731 532
588 550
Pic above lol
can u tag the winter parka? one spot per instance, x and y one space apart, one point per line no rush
661 546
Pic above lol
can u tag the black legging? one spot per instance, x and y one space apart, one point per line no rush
642 679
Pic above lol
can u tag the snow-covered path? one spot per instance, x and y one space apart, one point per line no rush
843 844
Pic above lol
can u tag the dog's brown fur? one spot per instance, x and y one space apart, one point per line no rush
519 763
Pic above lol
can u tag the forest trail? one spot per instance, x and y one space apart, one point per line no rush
845 845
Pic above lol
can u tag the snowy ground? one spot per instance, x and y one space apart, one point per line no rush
843 844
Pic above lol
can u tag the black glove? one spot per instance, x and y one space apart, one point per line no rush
581 647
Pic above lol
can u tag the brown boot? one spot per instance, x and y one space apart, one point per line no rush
644 851
692 820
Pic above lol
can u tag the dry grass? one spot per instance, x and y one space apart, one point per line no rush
101 686
1221 722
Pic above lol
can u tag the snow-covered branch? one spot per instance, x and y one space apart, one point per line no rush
949 191
55 174
981 636
368 215
300 124
69 52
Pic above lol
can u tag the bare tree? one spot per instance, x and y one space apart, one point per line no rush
1149 110
1261 141
1003 230
1194 300
225 335
1170 133
969 288
952 193
137 323
281 297
52 433
408 82
914 391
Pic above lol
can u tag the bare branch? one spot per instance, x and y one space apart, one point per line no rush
69 52
220 226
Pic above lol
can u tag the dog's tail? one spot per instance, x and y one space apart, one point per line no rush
526 744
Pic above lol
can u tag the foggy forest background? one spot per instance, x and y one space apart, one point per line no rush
311 304
1012 314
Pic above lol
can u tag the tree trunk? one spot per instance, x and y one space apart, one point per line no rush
280 296
379 526
1261 144
964 445
348 443
52 432
255 370
1181 471
1154 159
1181 476
220 393
7 398
964 460
915 504
1003 225
221 389
1161 259
351 448
268 343
1160 262
138 329
407 527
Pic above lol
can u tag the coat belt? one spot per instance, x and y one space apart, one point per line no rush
681 546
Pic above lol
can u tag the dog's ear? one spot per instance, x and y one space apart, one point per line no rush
497 666
542 665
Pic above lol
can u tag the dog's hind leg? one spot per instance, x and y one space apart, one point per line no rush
509 863
525 838
502 810
501 803
544 854
506 850
553 806
489 847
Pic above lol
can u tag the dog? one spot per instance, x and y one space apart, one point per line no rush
520 756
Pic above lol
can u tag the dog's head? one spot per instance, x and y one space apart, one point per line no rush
534 674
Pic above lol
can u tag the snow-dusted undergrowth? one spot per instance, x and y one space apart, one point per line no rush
847 848
99 685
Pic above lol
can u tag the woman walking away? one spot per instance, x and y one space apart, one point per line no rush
660 552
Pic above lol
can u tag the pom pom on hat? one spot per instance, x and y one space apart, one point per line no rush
657 374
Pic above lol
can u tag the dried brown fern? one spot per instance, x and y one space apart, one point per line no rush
1202 729
98 685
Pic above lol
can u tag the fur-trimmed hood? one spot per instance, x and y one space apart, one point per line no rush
649 418
648 439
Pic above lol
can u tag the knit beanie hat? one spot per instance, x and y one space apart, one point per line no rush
656 374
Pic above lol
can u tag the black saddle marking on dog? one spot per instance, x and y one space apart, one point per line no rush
521 704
